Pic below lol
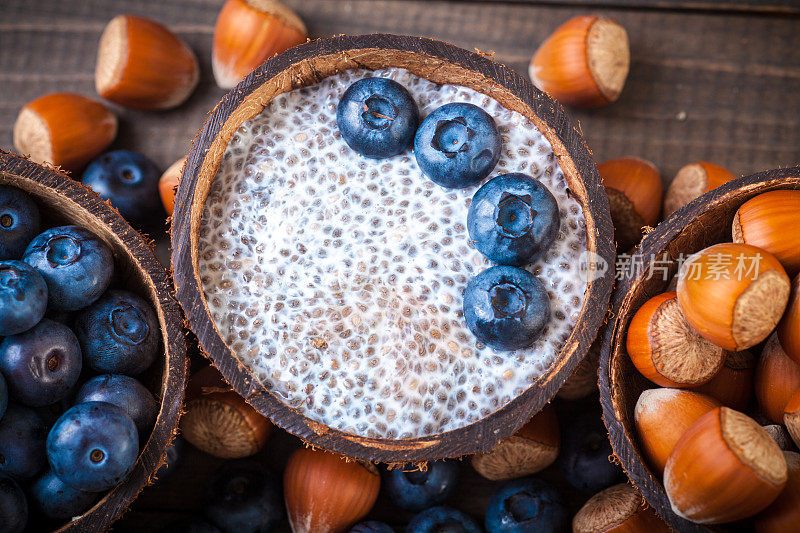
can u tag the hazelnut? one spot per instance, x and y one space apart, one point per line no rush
662 416
667 350
733 384
617 508
768 222
724 468
733 294
583 63
247 33
776 380
218 421
327 492
143 65
64 129
532 448
634 193
691 181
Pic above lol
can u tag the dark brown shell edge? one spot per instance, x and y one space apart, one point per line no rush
79 204
704 221
294 68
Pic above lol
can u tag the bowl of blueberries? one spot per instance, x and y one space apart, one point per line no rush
92 355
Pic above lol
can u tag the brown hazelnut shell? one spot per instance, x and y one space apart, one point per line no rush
661 418
776 380
584 62
724 468
733 294
619 508
327 492
64 129
666 349
218 421
532 448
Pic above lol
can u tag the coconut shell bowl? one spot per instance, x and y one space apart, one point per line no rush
64 201
296 74
706 221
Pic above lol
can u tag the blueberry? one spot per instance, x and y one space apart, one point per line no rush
417 490
41 365
190 525
506 307
3 396
127 394
585 454
513 219
55 499
13 506
19 222
527 504
377 117
22 438
75 264
23 297
443 520
457 145
371 526
175 453
119 334
130 182
242 497
93 446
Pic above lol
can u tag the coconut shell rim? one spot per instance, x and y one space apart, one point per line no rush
482 435
56 184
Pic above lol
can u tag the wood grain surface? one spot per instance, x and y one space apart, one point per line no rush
713 80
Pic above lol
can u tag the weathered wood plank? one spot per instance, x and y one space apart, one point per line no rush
758 6
702 86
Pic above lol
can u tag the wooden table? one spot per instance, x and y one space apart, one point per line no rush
710 80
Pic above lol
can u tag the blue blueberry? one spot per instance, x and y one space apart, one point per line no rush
76 265
175 453
457 145
41 365
371 526
443 520
93 446
584 457
23 297
19 221
242 497
13 506
130 182
127 394
377 117
191 525
3 396
416 490
527 504
22 442
513 219
506 307
119 334
55 499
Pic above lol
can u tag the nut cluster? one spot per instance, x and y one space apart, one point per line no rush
718 464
